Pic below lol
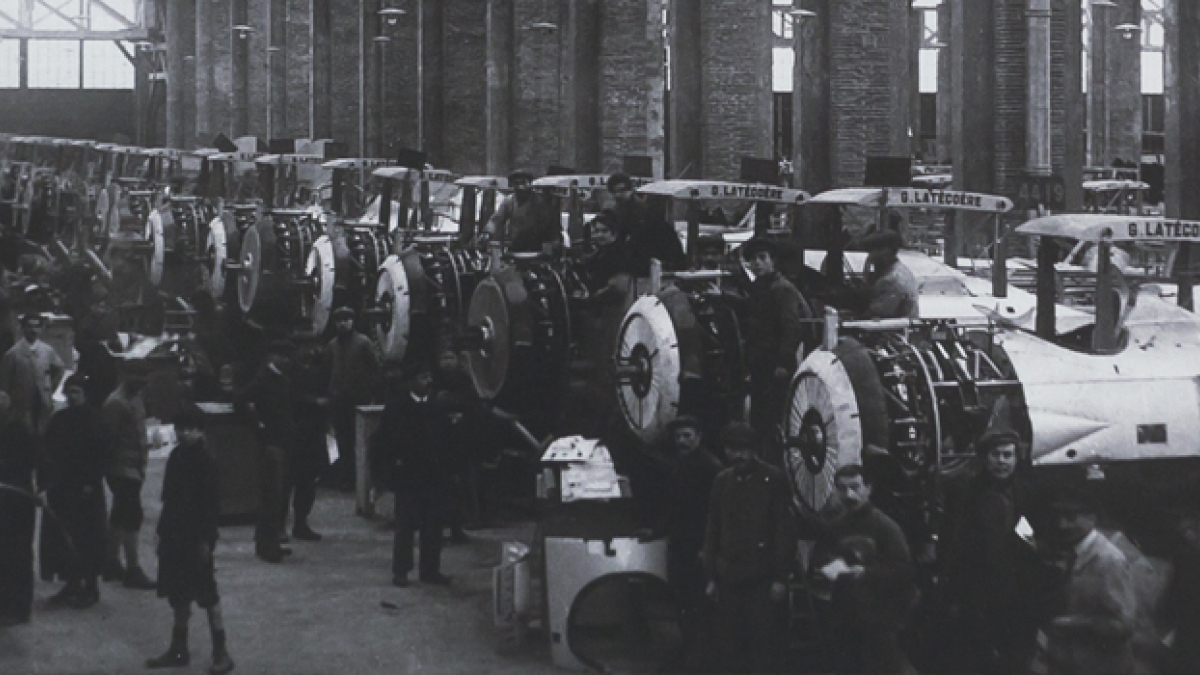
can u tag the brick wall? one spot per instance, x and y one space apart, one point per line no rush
1010 94
869 69
535 136
736 98
1125 86
631 81
344 59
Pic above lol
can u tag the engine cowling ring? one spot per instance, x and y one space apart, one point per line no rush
648 368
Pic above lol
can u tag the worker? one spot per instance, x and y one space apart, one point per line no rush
863 559
749 546
523 221
987 566
272 395
30 372
406 450
892 291
187 536
606 262
645 236
774 335
1090 629
78 450
354 375
691 473
125 414
18 456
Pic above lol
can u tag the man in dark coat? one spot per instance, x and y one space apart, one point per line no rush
986 564
892 290
457 400
646 236
78 452
187 537
690 479
311 459
749 548
524 220
863 558
353 378
407 447
774 334
18 455
272 394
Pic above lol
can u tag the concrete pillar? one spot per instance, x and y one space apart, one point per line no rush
465 80
631 84
500 50
579 124
321 103
1037 120
298 69
737 102
973 80
686 159
945 106
181 83
214 69
811 97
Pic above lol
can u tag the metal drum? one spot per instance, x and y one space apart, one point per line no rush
679 349
426 287
519 330
272 275
912 402
223 247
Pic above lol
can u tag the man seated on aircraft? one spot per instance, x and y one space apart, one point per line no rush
522 220
892 291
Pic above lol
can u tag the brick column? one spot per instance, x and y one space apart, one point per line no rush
402 80
632 78
1182 18
1120 125
737 103
346 68
579 123
500 105
181 77
537 69
464 146
433 51
686 56
320 103
258 67
298 64
810 98
916 35
214 69
945 105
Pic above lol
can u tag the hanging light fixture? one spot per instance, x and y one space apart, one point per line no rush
391 15
243 31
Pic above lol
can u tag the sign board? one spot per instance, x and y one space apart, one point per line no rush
947 199
1046 191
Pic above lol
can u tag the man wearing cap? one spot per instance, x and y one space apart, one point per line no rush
645 236
892 290
773 336
986 563
522 220
354 375
78 451
749 548
692 471
125 414
1090 630
30 372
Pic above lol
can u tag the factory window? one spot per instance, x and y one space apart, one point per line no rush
105 67
54 64
10 64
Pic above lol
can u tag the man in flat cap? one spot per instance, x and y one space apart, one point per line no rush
523 221
773 335
645 236
30 372
354 377
749 548
892 290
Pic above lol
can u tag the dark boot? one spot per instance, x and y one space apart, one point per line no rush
176 655
222 663
113 571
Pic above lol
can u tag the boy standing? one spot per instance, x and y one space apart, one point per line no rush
187 534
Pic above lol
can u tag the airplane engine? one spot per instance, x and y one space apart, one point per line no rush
345 261
428 285
273 273
911 402
223 247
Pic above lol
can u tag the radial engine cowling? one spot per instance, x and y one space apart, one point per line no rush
273 279
910 402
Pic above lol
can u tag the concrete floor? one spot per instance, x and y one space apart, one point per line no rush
319 611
